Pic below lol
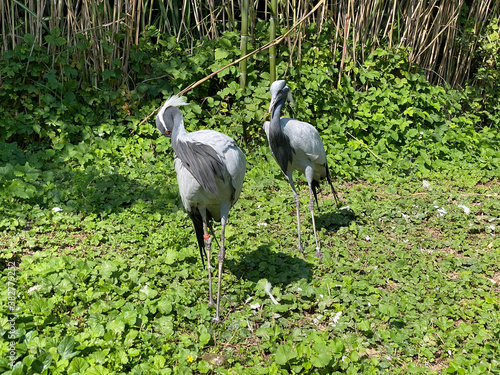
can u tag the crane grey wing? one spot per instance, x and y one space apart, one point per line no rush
236 166
305 137
203 162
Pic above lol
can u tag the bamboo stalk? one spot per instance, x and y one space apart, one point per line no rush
272 37
3 5
13 35
244 41
263 48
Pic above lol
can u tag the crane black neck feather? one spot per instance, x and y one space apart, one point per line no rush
279 143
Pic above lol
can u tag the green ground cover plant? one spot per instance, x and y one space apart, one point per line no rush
409 282
107 276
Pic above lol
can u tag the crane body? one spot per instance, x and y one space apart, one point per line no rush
210 169
297 146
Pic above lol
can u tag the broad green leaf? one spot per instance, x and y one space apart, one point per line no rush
122 356
221 54
106 269
159 361
337 346
21 189
116 325
17 369
129 317
99 356
66 348
77 366
204 338
42 362
388 310
284 353
322 355
364 325
164 305
97 370
170 257
146 292
130 337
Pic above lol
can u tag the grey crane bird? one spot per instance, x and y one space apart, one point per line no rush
210 169
297 146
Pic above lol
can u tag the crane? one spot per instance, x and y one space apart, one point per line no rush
210 169
297 146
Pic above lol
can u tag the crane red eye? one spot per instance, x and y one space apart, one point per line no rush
279 92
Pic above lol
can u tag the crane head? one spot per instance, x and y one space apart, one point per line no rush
280 90
169 115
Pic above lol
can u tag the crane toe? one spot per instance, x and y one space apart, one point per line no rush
318 254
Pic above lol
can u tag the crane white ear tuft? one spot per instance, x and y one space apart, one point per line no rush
174 101
289 97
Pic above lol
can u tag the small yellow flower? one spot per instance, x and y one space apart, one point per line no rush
190 359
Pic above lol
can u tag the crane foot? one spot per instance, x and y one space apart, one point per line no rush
318 254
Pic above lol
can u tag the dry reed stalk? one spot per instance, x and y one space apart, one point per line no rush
392 23
431 29
344 49
338 28
478 14
321 18
140 6
3 13
197 16
181 22
213 20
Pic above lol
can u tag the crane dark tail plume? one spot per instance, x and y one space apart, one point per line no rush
198 229
315 186
329 179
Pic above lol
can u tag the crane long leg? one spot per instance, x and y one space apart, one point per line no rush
297 204
208 245
311 208
220 257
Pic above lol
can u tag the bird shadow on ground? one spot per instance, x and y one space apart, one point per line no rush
333 220
276 267
101 192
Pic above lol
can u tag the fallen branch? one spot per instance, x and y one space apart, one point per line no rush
368 148
263 48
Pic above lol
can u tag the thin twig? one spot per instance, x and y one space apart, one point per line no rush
263 48
368 148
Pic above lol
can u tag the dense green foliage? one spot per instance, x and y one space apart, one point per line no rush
109 280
